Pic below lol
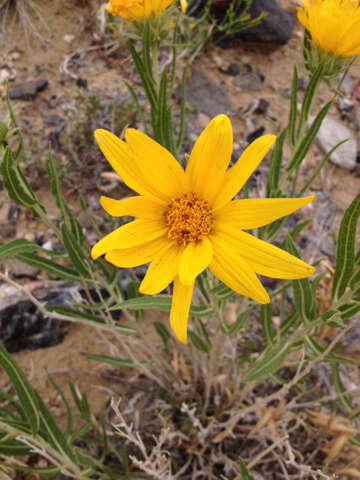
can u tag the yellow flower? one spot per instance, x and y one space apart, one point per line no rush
138 9
334 25
187 220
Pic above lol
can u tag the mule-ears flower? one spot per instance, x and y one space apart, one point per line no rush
186 221
334 28
139 9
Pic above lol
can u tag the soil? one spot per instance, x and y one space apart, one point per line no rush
65 27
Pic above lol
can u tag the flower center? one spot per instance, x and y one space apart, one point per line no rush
188 218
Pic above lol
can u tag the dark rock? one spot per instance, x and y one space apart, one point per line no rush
262 107
82 83
27 90
256 134
13 212
276 27
248 82
232 69
207 96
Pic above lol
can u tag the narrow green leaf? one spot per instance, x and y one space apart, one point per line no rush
13 448
8 250
15 183
117 362
147 38
161 303
293 108
181 133
198 342
266 323
39 470
146 81
162 110
48 265
309 95
308 140
340 389
276 156
162 331
75 251
55 185
305 300
345 251
241 321
269 361
23 389
244 472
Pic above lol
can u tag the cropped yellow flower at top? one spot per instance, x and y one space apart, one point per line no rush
186 221
334 25
138 9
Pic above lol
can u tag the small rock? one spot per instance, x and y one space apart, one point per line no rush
347 86
4 75
332 132
276 27
81 83
69 38
255 134
15 56
203 120
261 106
207 96
232 69
27 90
19 269
248 82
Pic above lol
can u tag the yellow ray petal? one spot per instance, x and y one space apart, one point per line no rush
184 5
163 269
195 258
140 207
129 235
237 176
210 157
133 171
139 255
229 266
180 309
256 212
157 164
264 258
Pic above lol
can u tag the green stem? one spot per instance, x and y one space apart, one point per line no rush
155 65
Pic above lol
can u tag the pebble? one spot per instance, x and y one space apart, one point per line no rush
203 120
332 132
248 82
69 38
27 90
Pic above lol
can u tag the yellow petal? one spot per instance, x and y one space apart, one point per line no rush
237 176
163 269
210 157
139 255
184 5
229 266
129 235
180 309
133 171
256 212
195 258
140 207
264 258
157 164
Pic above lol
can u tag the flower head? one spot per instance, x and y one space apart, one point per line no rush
334 25
186 221
139 9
